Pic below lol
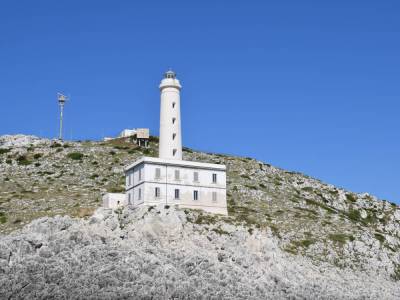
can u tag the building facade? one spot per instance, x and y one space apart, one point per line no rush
153 181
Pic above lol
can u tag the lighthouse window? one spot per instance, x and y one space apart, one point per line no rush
173 136
177 175
195 195
140 194
158 173
140 174
214 196
129 199
176 193
214 178
173 120
157 192
173 104
196 176
174 152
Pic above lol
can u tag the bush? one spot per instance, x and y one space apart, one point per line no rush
3 218
75 155
341 238
9 161
351 197
55 145
23 161
37 156
116 189
354 215
4 150
380 237
112 152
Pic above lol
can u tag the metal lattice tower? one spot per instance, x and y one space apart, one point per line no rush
61 101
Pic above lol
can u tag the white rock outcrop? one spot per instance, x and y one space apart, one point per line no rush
156 253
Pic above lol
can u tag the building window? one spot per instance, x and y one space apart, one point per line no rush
158 173
173 120
173 104
174 152
214 178
173 136
140 174
129 179
214 196
176 193
195 195
196 176
140 194
177 175
129 198
157 192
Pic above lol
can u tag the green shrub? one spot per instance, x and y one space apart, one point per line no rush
75 155
116 189
153 139
380 237
55 145
8 161
37 155
341 238
23 161
4 150
308 189
3 217
354 215
351 197
112 152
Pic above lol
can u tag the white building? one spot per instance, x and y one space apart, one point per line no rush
153 181
127 133
168 179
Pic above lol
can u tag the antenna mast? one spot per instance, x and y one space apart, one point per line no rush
61 101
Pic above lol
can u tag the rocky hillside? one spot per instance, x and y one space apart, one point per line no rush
286 235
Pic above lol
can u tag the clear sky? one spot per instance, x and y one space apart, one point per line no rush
310 86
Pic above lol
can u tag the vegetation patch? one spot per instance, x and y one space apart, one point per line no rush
380 237
308 189
341 238
220 231
55 145
321 205
304 243
37 155
75 155
351 197
354 215
4 151
3 217
23 161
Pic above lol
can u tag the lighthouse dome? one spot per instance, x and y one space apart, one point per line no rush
170 74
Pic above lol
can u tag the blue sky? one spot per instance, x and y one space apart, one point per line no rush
310 86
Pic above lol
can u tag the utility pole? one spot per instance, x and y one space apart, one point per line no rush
61 101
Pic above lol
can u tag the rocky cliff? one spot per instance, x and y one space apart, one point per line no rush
287 235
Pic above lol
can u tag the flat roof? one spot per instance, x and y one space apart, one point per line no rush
176 163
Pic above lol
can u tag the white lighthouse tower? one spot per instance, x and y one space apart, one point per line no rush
170 118
167 179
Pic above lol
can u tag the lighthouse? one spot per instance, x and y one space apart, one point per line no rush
170 146
168 179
